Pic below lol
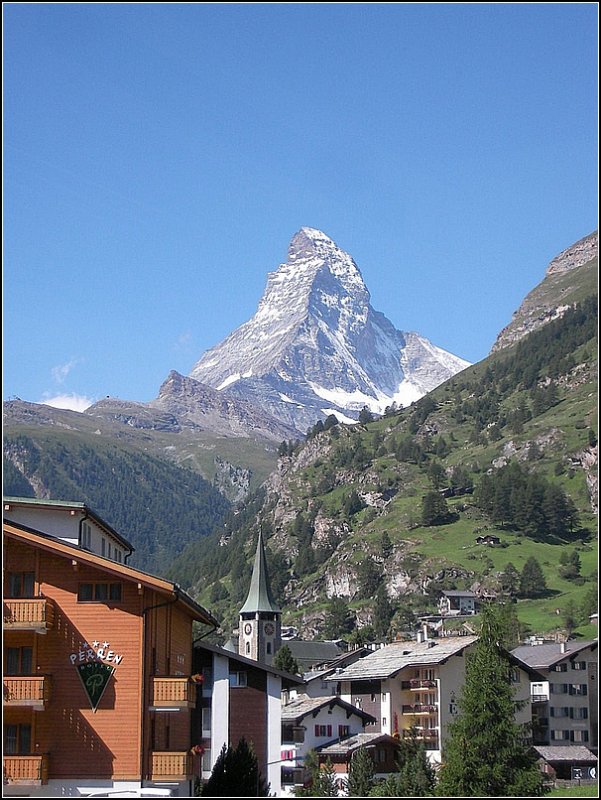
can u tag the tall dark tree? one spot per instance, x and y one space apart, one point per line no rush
361 774
487 754
236 774
532 579
285 661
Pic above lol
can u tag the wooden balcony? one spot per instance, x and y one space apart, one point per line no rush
167 766
31 614
25 770
427 735
173 693
31 691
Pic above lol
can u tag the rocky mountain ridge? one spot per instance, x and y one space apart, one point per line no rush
316 346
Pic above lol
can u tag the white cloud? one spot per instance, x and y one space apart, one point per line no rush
60 373
69 402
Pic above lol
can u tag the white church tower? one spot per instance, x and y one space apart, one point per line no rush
260 627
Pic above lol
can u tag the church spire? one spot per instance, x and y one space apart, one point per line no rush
260 626
259 595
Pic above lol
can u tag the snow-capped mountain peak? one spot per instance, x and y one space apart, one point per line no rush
316 346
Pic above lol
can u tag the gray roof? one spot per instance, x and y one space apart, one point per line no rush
309 653
303 705
541 656
352 743
389 660
458 593
259 595
566 753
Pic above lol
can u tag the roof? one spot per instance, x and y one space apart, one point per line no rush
287 677
67 505
541 656
308 653
342 660
352 743
458 593
259 595
566 753
304 705
388 661
59 547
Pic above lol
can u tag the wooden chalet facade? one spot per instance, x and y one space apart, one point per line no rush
98 692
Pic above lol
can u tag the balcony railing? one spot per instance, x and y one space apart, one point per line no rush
168 766
173 693
426 735
539 698
25 770
419 708
32 691
417 683
32 614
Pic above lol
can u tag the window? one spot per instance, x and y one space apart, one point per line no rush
207 674
579 736
99 592
238 679
560 711
323 730
381 755
558 688
268 648
86 536
17 740
206 721
287 755
343 731
453 708
579 713
19 660
21 584
560 668
102 546
514 675
248 648
578 688
561 736
579 665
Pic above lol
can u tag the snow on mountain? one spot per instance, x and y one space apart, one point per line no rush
316 346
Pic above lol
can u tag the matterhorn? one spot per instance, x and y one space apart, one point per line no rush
316 347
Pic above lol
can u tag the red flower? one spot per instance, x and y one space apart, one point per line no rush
197 750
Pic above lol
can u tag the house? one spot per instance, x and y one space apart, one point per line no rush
567 763
239 698
316 681
564 700
97 661
407 684
382 748
311 723
310 655
488 539
455 603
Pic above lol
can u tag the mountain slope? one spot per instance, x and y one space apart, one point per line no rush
570 276
358 508
316 345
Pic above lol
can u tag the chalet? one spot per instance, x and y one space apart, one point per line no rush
567 763
97 661
456 603
382 748
489 539
311 723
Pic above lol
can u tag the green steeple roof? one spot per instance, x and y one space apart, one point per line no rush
259 595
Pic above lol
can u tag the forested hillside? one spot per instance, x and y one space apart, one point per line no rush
158 506
366 524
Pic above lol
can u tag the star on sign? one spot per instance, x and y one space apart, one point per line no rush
84 645
105 644
95 643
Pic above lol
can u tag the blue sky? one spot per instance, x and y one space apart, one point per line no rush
158 158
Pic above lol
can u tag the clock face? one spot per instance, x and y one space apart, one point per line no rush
247 628
269 629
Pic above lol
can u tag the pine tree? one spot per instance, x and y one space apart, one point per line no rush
361 774
322 779
486 754
236 774
285 661
532 579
